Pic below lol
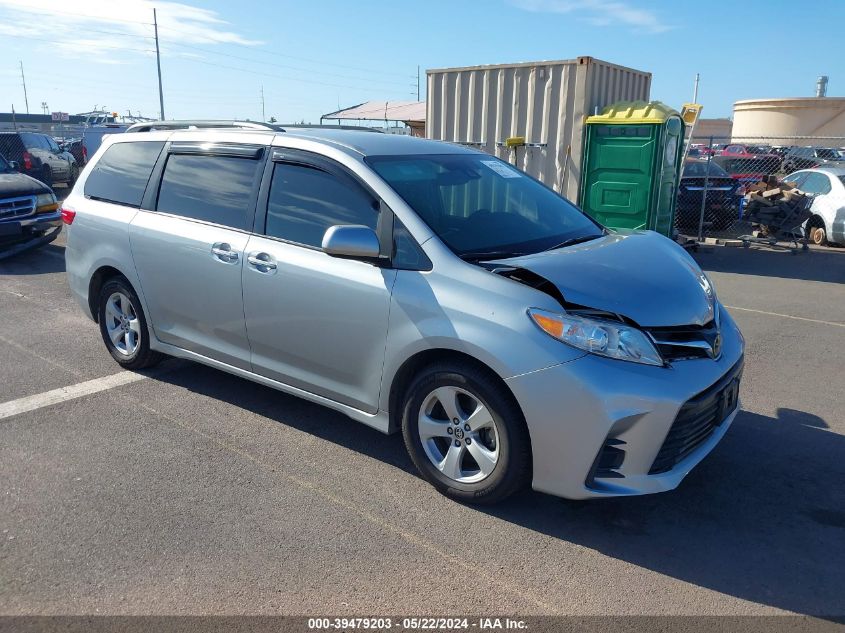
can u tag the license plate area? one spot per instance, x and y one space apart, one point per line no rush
728 399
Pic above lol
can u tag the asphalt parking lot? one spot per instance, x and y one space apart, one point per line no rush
192 491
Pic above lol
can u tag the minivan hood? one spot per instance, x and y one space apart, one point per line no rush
640 275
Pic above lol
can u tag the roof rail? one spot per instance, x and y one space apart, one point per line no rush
151 126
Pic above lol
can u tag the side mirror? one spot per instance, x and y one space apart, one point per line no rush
13 164
351 241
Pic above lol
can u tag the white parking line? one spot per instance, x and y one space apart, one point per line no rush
48 398
787 316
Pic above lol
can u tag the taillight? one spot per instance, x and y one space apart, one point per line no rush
68 215
84 154
27 161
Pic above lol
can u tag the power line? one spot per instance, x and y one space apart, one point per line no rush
122 33
69 43
255 72
97 18
286 66
302 59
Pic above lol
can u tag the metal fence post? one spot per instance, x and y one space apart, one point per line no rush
704 193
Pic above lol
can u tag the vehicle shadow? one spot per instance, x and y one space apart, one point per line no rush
289 410
41 260
817 264
761 519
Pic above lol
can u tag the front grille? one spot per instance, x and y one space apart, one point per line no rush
688 341
697 420
16 207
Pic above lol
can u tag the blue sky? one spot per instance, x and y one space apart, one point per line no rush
313 56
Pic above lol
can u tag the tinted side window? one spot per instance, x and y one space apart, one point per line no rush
122 172
305 201
816 183
51 143
797 178
30 140
215 189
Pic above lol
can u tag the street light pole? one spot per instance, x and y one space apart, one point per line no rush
158 65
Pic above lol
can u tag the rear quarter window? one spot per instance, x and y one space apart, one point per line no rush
122 172
215 189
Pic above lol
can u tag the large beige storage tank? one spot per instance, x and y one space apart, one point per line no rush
775 119
545 102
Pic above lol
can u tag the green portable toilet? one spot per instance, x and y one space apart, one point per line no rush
632 161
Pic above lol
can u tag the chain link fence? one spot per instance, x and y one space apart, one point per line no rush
42 156
718 172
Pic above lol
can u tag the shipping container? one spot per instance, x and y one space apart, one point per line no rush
544 102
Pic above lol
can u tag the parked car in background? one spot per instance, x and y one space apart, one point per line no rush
701 150
39 156
721 206
416 286
29 215
809 157
827 185
76 149
748 168
745 150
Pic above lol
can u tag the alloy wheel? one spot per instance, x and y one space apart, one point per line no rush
122 324
459 434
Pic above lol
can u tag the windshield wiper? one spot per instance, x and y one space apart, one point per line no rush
475 256
577 240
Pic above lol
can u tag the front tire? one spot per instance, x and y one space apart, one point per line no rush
123 326
817 235
465 435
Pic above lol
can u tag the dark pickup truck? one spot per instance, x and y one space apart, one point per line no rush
29 212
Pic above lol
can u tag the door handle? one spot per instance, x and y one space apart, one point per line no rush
224 253
262 262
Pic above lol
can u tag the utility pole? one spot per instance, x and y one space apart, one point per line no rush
263 117
23 81
158 65
695 90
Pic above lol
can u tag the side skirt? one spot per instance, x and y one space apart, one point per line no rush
379 421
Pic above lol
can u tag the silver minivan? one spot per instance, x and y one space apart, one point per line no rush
415 286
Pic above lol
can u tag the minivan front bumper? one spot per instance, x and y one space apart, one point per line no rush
597 425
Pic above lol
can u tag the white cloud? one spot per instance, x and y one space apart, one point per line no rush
599 13
102 30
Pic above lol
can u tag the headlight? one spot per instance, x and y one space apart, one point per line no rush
45 202
605 338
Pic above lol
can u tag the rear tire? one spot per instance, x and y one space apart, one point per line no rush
465 435
123 326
